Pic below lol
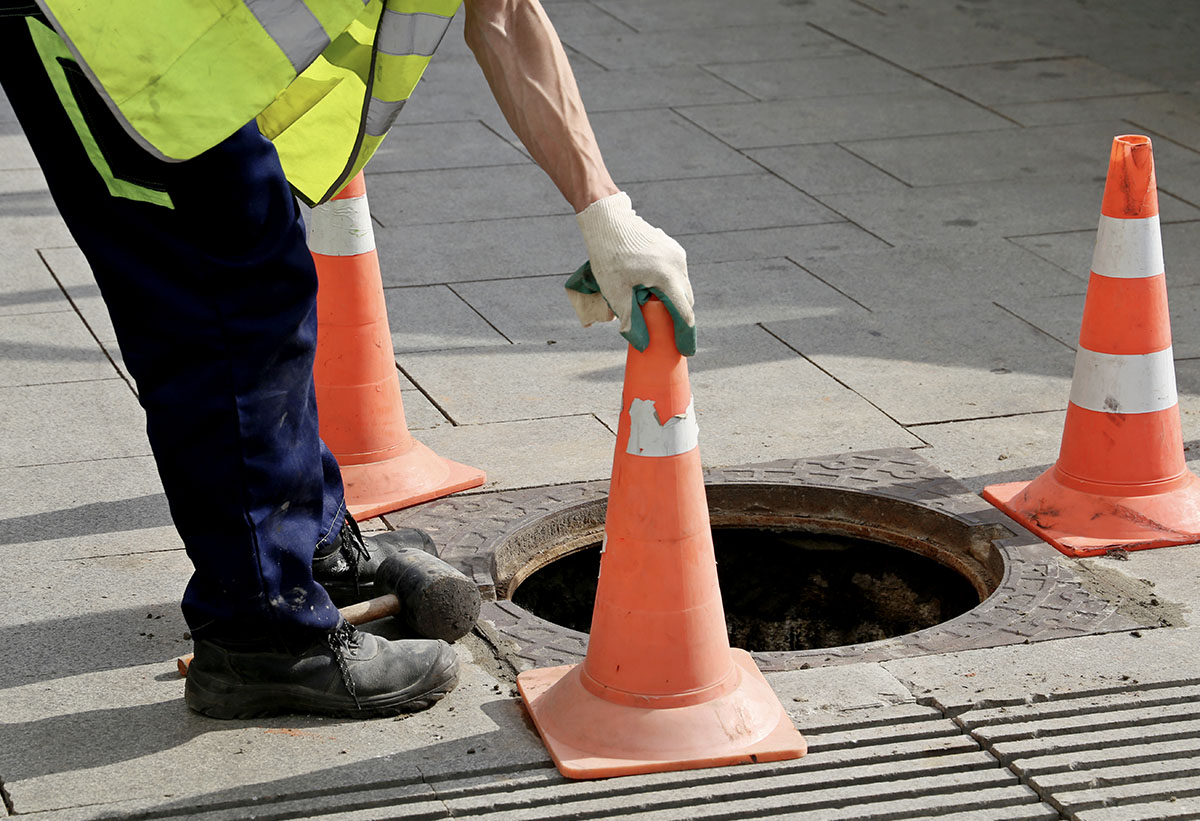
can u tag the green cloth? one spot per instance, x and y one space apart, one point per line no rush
584 281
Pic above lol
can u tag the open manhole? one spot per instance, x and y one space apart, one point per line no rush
855 557
787 590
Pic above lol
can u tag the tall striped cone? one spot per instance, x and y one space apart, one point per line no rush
660 688
358 388
1120 480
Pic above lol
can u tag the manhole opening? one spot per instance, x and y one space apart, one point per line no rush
785 590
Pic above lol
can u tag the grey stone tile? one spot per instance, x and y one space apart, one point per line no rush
489 249
1060 316
660 145
85 509
757 400
22 181
30 220
1160 112
536 311
984 452
818 77
824 169
1038 80
15 152
419 413
699 46
433 146
726 204
970 276
26 287
969 212
713 15
529 453
938 365
572 18
660 87
1072 251
70 422
918 36
836 119
462 195
1079 151
800 242
518 382
435 318
72 271
39 349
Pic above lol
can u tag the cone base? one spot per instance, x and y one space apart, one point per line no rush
589 737
1087 524
417 475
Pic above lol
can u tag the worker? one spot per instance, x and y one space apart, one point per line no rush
175 138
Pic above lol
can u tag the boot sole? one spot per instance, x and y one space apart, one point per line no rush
258 700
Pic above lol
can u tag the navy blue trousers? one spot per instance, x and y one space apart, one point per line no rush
213 301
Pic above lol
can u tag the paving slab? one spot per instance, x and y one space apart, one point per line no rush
799 242
969 212
73 275
661 145
1072 251
824 169
624 89
686 207
1061 78
699 47
983 272
938 365
834 119
48 348
818 77
419 198
433 146
70 422
674 15
985 452
15 152
435 318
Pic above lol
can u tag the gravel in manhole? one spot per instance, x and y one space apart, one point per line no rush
785 590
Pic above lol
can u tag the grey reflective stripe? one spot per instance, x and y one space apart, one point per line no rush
293 27
420 33
380 116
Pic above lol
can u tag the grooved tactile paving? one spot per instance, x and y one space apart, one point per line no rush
1039 596
1115 755
899 762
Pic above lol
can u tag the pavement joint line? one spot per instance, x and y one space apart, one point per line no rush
63 382
77 461
879 168
379 175
1162 136
86 324
426 394
473 281
869 7
129 555
732 85
801 354
982 418
491 325
605 424
608 13
1031 325
517 144
828 284
918 74
9 809
841 221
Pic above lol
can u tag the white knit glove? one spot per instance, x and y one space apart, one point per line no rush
625 252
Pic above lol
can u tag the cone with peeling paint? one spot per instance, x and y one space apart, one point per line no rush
660 688
1120 480
357 384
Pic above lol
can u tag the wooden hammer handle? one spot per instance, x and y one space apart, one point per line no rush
360 613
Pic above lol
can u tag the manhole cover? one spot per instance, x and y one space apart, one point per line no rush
1026 590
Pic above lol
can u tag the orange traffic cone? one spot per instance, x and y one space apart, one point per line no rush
1120 480
358 387
660 688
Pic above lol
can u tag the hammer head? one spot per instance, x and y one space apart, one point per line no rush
436 601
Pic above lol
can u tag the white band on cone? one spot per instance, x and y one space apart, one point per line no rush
650 437
341 228
1129 383
1128 248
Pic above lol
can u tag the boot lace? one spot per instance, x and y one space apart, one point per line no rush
342 639
353 548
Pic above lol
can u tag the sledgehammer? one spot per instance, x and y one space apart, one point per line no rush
429 597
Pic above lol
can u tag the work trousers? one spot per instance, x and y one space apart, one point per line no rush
212 292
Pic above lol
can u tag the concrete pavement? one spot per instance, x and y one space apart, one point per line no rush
889 208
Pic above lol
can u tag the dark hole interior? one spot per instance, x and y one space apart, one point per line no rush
785 590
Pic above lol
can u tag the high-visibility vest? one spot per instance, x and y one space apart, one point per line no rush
324 78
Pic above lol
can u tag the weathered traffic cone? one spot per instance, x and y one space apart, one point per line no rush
1120 480
358 388
660 688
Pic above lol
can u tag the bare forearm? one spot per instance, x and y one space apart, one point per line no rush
525 65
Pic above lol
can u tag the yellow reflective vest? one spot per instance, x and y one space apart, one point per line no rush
324 78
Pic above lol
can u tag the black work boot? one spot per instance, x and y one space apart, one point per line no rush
346 566
347 673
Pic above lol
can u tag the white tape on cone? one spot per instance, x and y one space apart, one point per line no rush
1130 383
341 228
650 437
1128 248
